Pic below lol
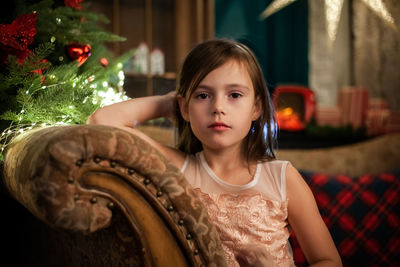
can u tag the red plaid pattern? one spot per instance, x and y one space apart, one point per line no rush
362 214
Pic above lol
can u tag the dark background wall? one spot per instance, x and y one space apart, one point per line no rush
280 42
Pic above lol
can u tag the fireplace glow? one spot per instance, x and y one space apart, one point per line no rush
289 120
294 106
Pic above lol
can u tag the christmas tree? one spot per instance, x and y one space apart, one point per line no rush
54 66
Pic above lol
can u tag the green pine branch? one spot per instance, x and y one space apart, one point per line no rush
48 87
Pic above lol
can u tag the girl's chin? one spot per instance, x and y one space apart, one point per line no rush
219 144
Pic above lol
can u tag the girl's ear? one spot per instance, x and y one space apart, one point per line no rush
257 109
183 107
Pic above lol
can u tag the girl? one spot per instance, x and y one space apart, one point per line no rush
225 150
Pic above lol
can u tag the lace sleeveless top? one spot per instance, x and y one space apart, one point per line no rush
252 218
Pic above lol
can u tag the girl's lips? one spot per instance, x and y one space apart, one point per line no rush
219 126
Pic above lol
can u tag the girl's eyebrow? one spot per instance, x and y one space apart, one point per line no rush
203 86
236 85
233 85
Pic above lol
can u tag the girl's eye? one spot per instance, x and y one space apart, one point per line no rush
202 96
236 95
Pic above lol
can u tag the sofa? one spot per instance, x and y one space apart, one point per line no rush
90 195
356 188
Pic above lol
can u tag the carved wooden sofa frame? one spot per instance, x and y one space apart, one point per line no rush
107 198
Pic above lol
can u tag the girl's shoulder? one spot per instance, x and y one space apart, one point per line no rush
277 168
273 179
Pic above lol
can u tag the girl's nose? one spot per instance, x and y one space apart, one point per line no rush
219 106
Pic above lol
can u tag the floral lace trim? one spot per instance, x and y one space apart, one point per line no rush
251 227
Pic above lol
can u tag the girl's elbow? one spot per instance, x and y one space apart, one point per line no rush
95 118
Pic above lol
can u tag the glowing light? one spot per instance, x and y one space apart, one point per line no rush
121 75
379 8
110 97
105 84
275 7
333 9
287 111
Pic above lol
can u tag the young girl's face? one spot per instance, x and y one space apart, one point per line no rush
222 107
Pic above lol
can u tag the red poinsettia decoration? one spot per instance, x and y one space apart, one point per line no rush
17 36
73 3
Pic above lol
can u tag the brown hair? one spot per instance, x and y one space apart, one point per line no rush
204 58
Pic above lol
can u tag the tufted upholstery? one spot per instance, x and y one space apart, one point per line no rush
91 186
105 197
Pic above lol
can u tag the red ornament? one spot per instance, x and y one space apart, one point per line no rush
73 3
17 36
78 52
104 62
40 71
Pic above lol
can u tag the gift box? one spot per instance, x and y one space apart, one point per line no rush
328 116
353 102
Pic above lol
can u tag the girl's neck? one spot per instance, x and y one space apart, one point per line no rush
230 165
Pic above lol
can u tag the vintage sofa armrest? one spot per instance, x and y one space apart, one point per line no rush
75 178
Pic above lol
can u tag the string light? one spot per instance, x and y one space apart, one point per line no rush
18 130
121 75
108 95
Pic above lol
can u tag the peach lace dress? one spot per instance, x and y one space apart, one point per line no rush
251 218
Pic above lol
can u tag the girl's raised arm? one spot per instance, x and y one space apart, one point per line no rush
304 218
129 113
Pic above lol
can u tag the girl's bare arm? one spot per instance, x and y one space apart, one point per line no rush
305 219
128 114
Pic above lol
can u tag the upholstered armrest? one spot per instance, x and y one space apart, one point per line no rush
76 177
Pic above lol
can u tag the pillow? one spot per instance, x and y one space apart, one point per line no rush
362 215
